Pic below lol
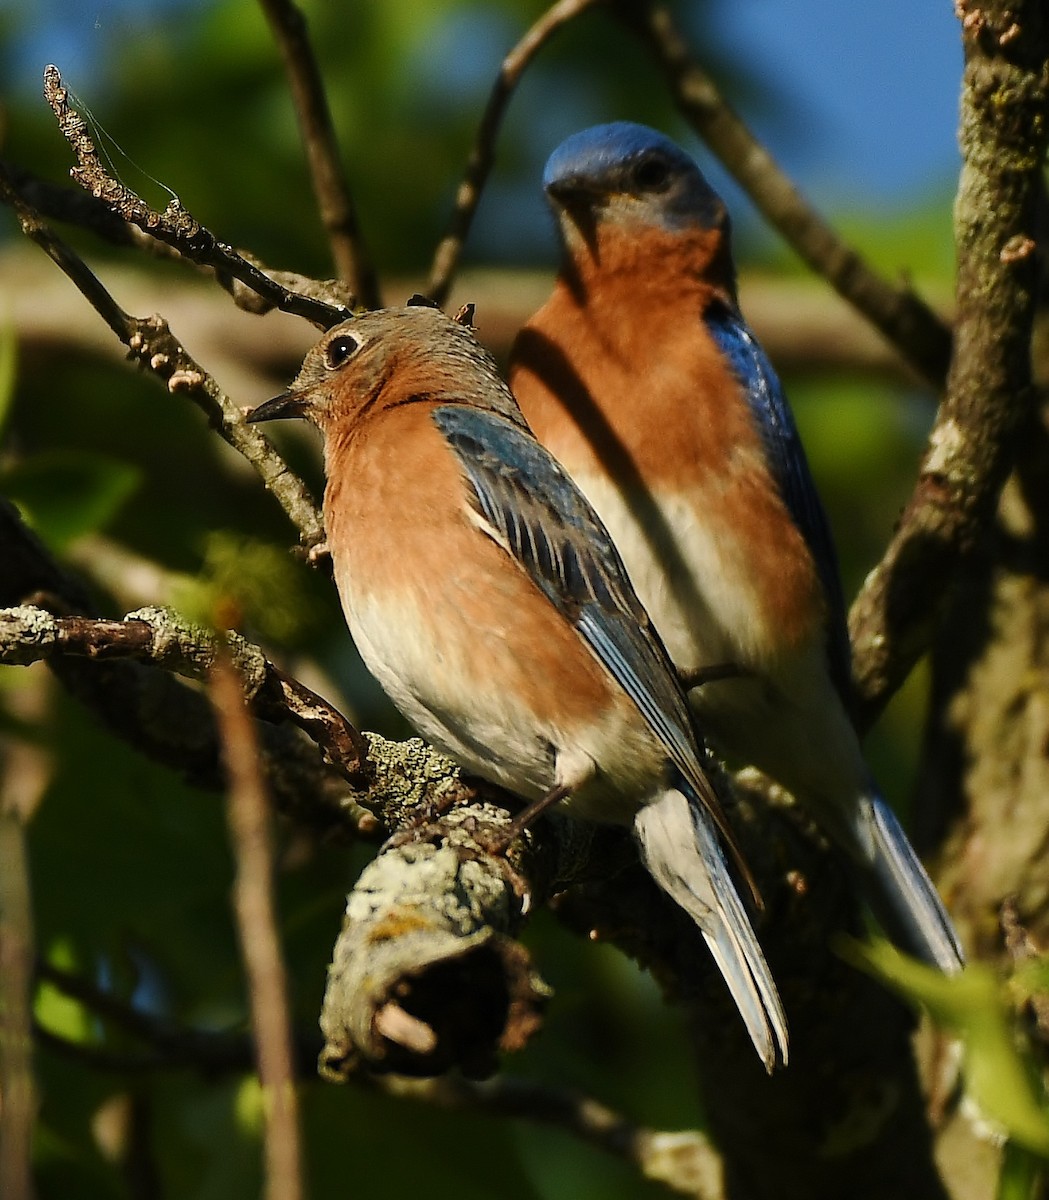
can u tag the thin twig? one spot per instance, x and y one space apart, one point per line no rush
482 156
684 1162
74 206
352 260
175 226
152 343
26 772
253 903
901 315
170 1045
1004 135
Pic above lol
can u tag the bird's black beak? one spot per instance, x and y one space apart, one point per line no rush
574 192
578 202
287 404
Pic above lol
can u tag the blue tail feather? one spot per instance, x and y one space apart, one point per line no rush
902 895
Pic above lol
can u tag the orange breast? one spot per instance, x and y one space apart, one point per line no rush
617 378
401 532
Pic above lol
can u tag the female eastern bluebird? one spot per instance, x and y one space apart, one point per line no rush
487 599
642 379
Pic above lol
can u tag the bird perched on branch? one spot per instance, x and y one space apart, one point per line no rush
486 597
641 377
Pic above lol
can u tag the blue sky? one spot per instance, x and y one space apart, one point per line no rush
864 96
870 90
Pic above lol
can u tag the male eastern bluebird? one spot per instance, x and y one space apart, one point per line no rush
642 379
489 602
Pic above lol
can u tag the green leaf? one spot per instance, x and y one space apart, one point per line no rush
972 1005
68 493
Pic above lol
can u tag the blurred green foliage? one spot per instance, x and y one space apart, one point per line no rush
130 868
973 1006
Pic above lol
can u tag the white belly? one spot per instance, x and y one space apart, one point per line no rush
612 763
695 585
783 714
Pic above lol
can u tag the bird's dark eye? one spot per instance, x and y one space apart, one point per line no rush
339 349
652 174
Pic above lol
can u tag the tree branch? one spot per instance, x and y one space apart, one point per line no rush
151 343
26 772
482 156
163 639
156 713
175 226
684 1162
253 904
352 260
971 447
900 315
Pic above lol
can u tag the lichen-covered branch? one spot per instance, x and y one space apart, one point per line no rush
164 639
428 941
1003 136
175 226
426 975
352 260
902 316
151 709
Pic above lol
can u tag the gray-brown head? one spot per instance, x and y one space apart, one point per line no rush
392 356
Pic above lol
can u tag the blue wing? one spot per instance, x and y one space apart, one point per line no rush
538 514
790 469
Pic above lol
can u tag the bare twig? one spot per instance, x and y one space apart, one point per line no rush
918 333
482 156
253 903
152 343
175 226
352 260
170 1045
1003 134
25 774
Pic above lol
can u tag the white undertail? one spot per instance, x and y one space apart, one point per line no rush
680 849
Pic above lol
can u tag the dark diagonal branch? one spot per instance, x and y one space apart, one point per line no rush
75 207
1003 136
169 1045
175 226
684 1162
482 156
352 260
153 345
908 323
